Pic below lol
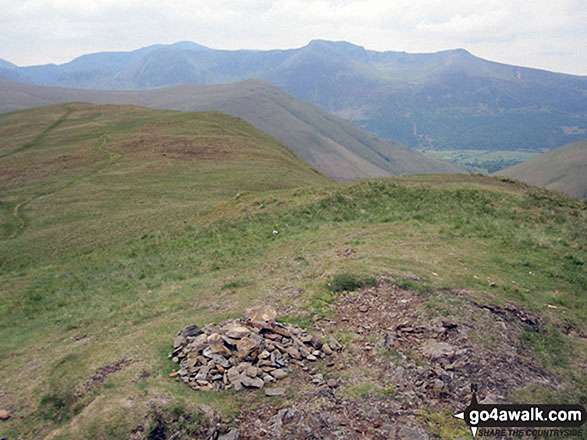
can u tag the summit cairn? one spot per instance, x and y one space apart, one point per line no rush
251 352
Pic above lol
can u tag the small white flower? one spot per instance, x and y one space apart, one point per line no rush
275 232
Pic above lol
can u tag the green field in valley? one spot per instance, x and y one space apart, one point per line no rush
488 161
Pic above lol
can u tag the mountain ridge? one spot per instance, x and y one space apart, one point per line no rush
444 100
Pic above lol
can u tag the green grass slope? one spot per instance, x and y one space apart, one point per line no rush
563 169
65 166
335 146
121 225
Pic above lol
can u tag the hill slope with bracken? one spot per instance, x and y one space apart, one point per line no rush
444 100
335 146
563 169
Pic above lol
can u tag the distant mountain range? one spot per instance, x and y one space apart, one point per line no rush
563 169
334 145
448 99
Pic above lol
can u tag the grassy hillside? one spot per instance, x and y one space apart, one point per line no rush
122 225
64 165
335 146
563 169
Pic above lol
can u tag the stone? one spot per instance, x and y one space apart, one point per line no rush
272 392
179 341
199 343
311 357
216 344
252 371
304 351
233 434
252 382
280 330
273 336
203 373
293 352
229 341
207 387
437 384
326 349
275 355
242 367
261 313
245 346
333 343
306 338
258 339
412 431
279 374
437 349
332 383
238 332
233 374
221 361
267 378
264 354
316 342
4 414
192 331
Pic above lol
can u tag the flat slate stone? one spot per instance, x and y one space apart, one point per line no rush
192 330
251 382
279 374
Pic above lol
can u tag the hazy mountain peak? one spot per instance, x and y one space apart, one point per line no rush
339 46
461 52
7 64
340 43
188 45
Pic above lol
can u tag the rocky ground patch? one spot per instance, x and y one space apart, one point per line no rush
399 366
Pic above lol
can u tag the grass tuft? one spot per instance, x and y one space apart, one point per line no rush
349 282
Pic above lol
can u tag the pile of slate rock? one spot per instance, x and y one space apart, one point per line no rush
244 353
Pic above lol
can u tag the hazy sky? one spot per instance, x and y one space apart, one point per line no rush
548 34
